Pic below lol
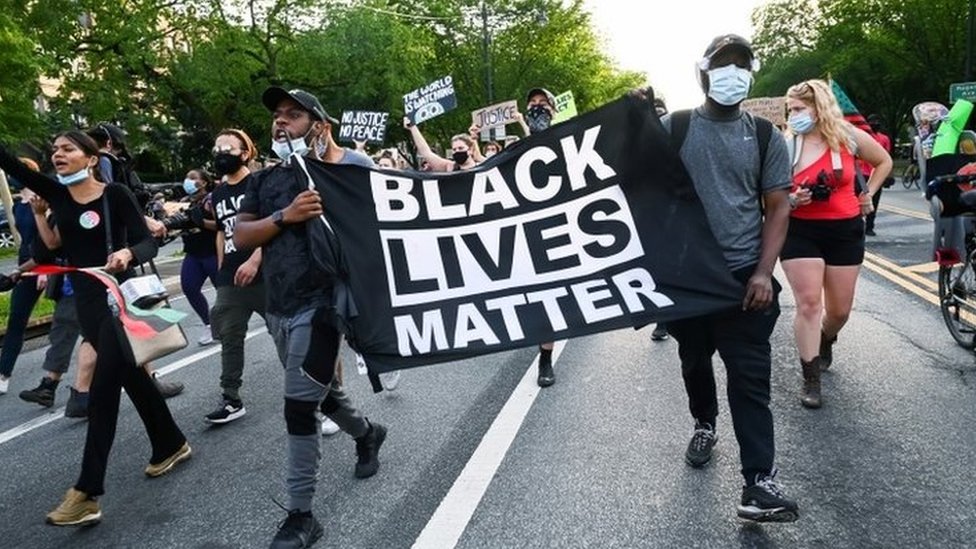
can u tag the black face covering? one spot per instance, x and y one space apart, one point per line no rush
538 118
460 156
226 163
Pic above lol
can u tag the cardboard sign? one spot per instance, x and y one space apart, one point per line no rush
492 134
565 107
430 101
369 126
495 115
770 108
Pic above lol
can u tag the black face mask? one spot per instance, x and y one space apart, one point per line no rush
538 118
460 156
226 163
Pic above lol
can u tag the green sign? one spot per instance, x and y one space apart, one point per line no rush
962 90
565 107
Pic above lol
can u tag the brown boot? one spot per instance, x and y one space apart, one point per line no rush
810 395
826 350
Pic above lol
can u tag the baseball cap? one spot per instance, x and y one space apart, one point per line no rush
536 91
724 41
275 95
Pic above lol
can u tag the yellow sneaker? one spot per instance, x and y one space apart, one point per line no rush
75 510
160 469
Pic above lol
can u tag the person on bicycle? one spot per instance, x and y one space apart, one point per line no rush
824 245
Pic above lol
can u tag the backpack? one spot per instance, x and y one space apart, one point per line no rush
681 120
123 174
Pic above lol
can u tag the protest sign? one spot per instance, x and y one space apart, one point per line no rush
430 101
565 107
366 126
495 115
770 108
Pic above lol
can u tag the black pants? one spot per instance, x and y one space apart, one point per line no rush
112 374
869 219
742 340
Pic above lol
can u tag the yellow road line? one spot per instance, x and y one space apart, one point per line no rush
918 279
905 211
891 271
923 268
924 294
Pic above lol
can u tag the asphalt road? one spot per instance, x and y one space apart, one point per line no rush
594 461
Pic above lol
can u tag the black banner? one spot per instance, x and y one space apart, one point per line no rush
430 101
590 226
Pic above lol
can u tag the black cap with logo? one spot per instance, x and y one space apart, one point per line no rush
729 41
274 95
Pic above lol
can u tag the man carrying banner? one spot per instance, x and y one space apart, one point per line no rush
277 214
740 170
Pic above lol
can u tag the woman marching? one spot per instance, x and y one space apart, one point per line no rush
824 247
82 207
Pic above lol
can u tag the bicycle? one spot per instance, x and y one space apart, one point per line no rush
910 176
957 273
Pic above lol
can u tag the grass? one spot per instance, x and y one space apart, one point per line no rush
44 307
8 252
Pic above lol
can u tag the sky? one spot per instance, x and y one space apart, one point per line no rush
665 38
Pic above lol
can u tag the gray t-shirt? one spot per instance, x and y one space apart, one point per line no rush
357 158
722 157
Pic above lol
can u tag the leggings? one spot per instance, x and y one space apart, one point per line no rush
22 300
194 272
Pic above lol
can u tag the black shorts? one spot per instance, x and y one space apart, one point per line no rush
837 241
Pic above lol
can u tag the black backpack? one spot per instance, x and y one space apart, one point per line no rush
680 120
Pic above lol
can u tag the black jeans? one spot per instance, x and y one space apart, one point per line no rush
742 340
23 298
112 374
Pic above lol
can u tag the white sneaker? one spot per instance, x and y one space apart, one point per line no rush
207 337
329 427
390 380
4 384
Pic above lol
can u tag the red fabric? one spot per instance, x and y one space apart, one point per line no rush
843 204
866 168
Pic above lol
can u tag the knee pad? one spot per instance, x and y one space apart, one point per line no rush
300 417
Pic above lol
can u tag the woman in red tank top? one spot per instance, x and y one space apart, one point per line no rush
825 243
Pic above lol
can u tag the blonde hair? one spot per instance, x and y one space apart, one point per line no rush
830 119
464 138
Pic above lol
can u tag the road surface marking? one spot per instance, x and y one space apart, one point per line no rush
906 212
452 516
57 414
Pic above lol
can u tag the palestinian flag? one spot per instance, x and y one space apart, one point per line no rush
139 323
851 114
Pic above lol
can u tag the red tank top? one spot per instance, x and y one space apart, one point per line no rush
843 203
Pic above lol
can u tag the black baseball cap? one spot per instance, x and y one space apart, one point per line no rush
536 91
721 42
274 95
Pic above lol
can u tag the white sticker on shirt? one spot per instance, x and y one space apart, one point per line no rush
89 219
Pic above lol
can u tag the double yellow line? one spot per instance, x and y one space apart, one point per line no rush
906 277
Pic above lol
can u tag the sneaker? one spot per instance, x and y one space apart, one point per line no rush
154 470
329 427
390 380
546 375
4 385
660 332
298 531
76 509
700 447
43 394
368 449
764 501
207 337
166 388
870 232
77 404
229 411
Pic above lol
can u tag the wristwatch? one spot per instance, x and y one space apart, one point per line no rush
278 218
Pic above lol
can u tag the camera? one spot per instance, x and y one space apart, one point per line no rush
820 191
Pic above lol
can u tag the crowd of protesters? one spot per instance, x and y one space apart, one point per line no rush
767 197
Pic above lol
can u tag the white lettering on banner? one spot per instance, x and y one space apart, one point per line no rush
569 240
436 210
578 159
471 325
431 334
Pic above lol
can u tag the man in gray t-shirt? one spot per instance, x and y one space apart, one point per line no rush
743 190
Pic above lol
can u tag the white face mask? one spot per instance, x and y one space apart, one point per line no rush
284 149
729 85
73 178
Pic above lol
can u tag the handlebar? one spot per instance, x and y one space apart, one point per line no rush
955 179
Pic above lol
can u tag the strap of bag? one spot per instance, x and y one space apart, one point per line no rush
108 223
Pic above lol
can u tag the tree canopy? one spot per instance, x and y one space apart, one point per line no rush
173 73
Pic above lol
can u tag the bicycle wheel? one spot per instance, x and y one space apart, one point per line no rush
909 176
957 300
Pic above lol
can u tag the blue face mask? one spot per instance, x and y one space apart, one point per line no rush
801 123
729 85
190 187
73 178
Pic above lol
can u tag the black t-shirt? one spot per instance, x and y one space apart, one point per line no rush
292 283
198 241
226 201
